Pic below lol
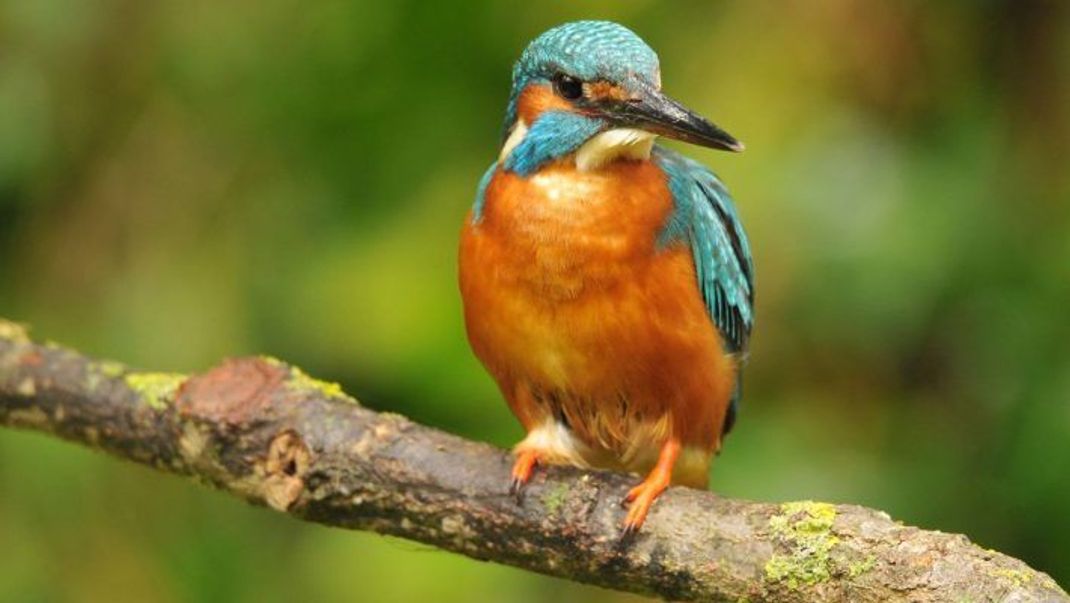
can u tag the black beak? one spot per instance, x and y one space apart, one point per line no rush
650 110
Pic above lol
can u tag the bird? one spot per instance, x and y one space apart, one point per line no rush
606 280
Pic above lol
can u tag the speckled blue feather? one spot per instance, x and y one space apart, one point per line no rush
588 50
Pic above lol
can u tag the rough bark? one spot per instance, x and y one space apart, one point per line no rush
265 431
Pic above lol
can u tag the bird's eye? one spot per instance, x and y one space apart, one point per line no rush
567 86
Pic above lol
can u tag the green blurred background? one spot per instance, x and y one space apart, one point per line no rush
184 181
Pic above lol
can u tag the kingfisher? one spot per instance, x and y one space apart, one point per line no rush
607 281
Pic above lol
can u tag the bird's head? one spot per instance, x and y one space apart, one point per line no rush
594 88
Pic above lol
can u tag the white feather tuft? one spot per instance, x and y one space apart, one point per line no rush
519 131
619 143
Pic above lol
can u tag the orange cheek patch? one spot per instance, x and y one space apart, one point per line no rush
536 99
603 91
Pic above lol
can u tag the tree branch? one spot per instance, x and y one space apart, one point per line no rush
265 431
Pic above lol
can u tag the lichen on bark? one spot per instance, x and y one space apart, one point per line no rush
155 389
804 529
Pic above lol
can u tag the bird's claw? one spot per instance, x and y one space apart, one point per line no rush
522 470
516 489
638 501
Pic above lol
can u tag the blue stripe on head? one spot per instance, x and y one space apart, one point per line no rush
554 134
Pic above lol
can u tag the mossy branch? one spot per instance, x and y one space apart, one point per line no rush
270 434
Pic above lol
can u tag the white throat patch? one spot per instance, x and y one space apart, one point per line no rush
619 143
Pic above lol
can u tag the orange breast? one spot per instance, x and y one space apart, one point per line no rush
577 313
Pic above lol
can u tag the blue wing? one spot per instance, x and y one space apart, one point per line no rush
706 219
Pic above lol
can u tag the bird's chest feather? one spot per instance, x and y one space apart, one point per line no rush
563 234
563 276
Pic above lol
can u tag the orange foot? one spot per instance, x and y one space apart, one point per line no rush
526 460
642 497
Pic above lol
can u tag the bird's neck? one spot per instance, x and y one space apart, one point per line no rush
574 138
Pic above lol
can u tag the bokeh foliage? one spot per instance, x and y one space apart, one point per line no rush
183 181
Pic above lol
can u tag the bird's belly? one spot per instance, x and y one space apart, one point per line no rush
586 330
623 363
603 330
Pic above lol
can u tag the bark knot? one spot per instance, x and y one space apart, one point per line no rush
286 464
235 392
